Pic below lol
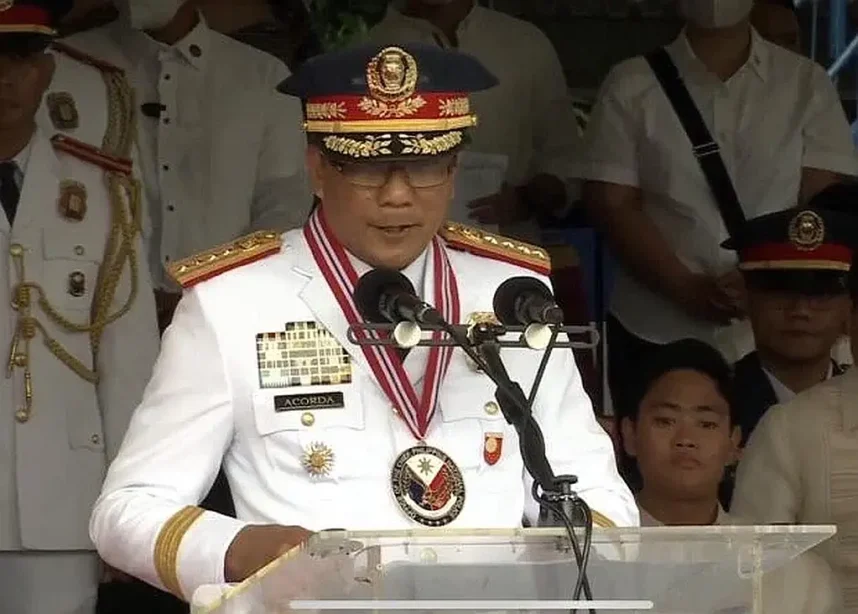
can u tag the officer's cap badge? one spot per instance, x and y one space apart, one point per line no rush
807 231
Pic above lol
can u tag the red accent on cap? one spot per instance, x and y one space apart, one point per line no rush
25 15
351 107
787 252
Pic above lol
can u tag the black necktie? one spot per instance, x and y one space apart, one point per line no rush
10 194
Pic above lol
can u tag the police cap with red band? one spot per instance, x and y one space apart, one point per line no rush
30 25
805 250
377 102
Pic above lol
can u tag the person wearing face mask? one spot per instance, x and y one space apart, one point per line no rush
220 152
767 132
527 123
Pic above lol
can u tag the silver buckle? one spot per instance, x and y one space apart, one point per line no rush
707 149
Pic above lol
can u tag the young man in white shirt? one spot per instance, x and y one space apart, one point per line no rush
683 432
782 134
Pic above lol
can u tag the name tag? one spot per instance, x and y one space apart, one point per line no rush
303 402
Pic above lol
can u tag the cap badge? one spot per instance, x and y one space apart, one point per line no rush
392 75
807 231
5 5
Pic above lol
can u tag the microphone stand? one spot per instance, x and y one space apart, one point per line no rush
557 499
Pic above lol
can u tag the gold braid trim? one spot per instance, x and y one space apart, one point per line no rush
600 520
124 197
167 546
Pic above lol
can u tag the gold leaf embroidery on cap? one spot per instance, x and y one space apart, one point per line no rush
418 144
370 146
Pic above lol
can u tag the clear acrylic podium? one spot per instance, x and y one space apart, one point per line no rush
680 570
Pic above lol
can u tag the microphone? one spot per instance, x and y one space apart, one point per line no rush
384 295
525 301
152 109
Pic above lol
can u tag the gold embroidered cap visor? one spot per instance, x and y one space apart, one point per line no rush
389 101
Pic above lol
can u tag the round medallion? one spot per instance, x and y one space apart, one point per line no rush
428 486
5 5
807 231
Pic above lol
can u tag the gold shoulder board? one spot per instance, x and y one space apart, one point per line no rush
482 243
213 262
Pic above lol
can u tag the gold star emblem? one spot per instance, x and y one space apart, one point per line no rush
425 466
318 459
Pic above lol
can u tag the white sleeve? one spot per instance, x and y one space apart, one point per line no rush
146 522
827 138
610 141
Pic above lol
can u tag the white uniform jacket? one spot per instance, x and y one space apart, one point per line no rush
205 404
52 464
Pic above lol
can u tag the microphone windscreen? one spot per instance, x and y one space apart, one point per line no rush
372 286
508 294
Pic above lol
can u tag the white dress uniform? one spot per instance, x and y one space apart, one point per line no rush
805 585
293 464
225 155
801 466
73 260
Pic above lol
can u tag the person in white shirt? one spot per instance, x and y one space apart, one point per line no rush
682 433
528 119
221 151
782 134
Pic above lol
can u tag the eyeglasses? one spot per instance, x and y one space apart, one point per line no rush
418 173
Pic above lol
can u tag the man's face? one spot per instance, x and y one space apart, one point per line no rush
384 213
796 327
683 438
777 24
23 81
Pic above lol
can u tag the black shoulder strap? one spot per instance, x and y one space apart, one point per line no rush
705 148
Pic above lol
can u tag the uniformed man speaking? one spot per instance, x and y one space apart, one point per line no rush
315 432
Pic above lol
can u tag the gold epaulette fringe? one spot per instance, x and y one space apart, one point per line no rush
482 243
213 262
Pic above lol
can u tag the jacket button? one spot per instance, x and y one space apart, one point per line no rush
308 419
491 408
95 439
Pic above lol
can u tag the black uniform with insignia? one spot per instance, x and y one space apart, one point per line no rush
805 252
